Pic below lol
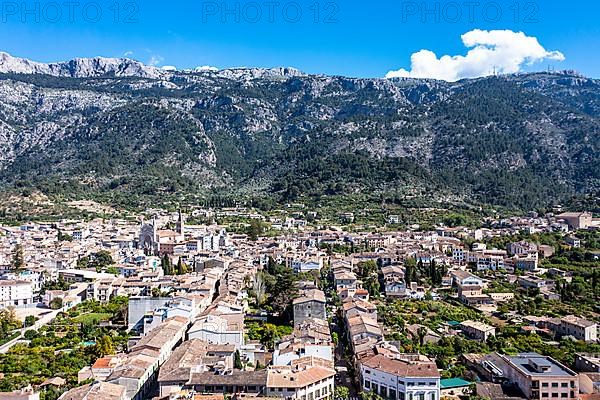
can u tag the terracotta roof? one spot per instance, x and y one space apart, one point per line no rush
311 295
402 368
282 377
190 354
239 378
95 391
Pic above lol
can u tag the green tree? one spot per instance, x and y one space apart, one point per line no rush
422 332
341 393
29 320
18 261
104 346
166 265
410 271
181 267
237 362
56 303
254 230
102 259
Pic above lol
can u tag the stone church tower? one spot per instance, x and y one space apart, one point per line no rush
181 226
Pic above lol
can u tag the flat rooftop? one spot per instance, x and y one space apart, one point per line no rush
522 362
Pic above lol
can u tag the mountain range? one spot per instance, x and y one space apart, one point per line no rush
104 125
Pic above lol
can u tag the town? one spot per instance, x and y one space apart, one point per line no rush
235 303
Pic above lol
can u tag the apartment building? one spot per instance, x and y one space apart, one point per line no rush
15 293
540 377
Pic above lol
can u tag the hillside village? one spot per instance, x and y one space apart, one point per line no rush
162 308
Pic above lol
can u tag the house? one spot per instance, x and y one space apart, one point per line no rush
360 327
26 393
530 281
465 278
477 330
310 304
522 248
473 295
528 262
546 251
353 293
232 381
410 376
579 328
219 329
573 241
345 279
354 306
193 355
540 377
96 391
101 369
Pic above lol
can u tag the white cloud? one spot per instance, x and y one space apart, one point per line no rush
503 50
155 60
128 53
205 68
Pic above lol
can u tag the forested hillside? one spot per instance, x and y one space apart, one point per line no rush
517 141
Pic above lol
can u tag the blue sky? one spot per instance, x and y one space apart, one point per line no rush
352 38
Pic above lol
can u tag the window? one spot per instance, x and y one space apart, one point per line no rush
564 395
392 394
545 384
367 384
554 384
554 395
433 396
545 394
564 384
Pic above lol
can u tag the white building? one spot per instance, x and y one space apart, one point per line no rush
579 328
300 382
219 329
15 293
286 353
410 377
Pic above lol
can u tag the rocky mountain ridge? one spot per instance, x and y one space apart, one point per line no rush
119 126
